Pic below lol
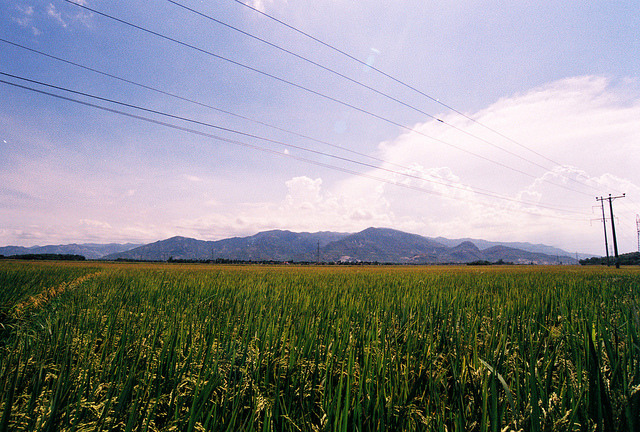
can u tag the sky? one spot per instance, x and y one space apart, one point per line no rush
136 121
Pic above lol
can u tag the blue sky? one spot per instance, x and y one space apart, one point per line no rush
549 92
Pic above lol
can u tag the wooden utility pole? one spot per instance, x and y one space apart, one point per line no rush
604 224
638 228
613 225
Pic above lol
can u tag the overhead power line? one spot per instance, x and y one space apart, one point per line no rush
175 117
359 83
217 109
322 95
402 83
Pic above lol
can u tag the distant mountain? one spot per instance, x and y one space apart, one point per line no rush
88 250
175 247
274 245
530 247
14 250
519 256
383 245
463 253
371 245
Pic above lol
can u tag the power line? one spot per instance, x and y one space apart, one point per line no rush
438 180
391 77
386 95
404 84
154 89
341 169
357 82
454 186
193 101
322 95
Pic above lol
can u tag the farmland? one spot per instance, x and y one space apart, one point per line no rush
158 347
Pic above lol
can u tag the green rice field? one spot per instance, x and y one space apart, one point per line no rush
175 347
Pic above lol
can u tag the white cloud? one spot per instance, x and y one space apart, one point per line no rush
95 224
26 19
306 207
52 12
582 122
259 4
22 22
569 121
304 193
27 10
78 15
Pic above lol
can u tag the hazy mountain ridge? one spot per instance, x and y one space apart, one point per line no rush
276 245
529 247
382 245
88 250
371 245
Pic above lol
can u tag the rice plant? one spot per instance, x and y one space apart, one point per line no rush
286 348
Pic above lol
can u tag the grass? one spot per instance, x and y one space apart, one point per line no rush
175 347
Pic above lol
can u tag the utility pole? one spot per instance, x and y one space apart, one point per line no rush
604 225
318 253
638 227
613 225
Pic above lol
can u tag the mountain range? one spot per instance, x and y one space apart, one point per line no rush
381 245
88 250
